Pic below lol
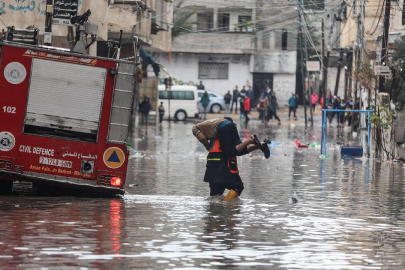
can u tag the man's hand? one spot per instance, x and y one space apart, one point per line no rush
251 140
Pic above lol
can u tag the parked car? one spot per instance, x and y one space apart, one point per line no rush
217 102
183 102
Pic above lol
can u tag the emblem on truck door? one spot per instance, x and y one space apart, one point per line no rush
7 141
113 157
15 73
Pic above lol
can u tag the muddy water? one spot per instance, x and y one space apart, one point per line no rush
349 215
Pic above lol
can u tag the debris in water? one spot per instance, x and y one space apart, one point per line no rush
136 155
293 199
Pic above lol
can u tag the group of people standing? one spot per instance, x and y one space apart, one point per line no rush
244 98
268 106
337 103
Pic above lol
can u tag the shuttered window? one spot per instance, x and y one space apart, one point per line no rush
65 99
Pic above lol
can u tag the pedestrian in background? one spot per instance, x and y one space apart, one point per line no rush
201 86
205 100
144 108
161 112
242 106
336 105
314 100
235 97
251 94
291 107
262 106
268 92
341 118
246 108
273 107
227 99
243 91
348 115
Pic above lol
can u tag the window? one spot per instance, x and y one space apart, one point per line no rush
244 19
205 21
179 95
284 38
265 40
213 70
223 22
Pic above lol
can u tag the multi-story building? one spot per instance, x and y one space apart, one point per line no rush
236 43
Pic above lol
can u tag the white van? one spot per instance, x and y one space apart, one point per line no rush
183 101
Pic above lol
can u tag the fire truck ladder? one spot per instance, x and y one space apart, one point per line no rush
122 104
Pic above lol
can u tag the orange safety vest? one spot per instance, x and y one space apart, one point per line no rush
232 164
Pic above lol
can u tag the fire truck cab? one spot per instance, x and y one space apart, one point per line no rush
64 119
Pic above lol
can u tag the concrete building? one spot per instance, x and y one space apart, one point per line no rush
251 43
134 17
24 13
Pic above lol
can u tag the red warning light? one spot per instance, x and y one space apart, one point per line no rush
116 181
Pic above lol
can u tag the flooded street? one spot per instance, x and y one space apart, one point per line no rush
349 215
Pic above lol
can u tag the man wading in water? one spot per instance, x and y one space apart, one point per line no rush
221 138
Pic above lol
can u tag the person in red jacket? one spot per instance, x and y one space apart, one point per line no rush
246 107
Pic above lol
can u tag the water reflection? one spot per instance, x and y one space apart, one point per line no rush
350 213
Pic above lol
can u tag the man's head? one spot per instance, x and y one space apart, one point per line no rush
229 91
273 94
200 82
205 93
161 103
236 87
243 87
293 95
268 89
250 87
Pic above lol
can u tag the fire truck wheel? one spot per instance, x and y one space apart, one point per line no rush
180 115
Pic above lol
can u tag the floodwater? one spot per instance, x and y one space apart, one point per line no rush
349 215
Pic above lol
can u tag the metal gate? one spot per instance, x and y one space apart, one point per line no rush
122 103
260 81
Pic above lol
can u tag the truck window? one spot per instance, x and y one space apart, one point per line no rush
65 100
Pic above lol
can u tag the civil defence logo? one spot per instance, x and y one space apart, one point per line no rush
114 157
7 141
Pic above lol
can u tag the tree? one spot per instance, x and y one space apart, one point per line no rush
181 19
397 83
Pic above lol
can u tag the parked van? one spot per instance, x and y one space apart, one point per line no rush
183 101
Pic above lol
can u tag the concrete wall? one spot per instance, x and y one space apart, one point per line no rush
275 62
127 18
284 86
229 43
184 66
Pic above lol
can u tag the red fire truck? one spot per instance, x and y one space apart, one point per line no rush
64 119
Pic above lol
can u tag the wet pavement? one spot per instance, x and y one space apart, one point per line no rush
349 215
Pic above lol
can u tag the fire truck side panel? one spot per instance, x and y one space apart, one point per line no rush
58 156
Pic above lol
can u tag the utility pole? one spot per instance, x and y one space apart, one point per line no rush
323 56
325 63
384 44
303 76
48 23
309 87
302 63
338 72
